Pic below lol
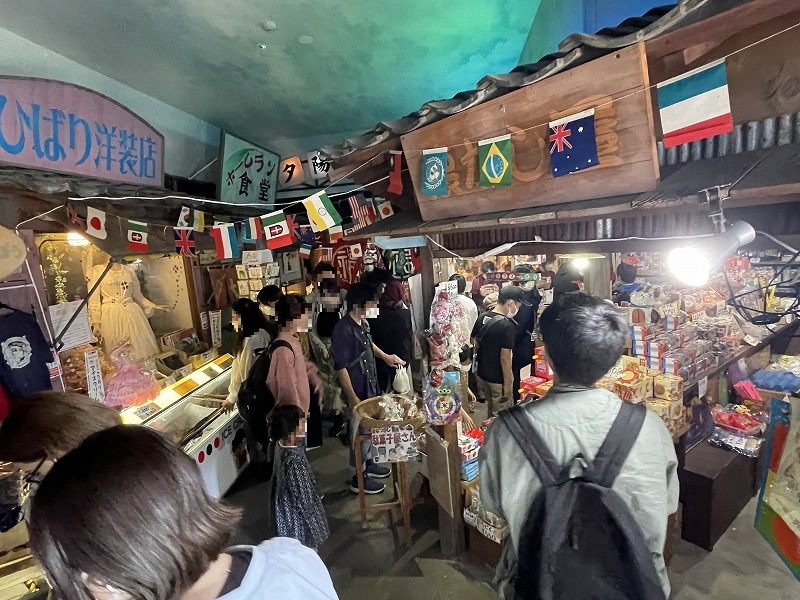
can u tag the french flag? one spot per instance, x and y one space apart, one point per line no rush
695 105
227 245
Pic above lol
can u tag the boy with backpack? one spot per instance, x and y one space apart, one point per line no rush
585 481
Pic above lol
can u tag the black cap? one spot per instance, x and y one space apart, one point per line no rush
511 292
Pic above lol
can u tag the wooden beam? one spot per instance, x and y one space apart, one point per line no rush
719 27
613 85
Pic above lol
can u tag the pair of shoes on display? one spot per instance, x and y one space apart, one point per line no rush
372 472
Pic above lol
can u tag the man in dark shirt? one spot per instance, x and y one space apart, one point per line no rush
526 324
494 335
354 360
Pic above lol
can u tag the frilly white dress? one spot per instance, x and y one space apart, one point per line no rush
121 310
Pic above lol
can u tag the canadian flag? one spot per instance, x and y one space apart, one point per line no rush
355 251
96 223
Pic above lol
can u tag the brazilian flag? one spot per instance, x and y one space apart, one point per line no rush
494 161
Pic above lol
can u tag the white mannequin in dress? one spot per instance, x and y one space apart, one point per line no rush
120 311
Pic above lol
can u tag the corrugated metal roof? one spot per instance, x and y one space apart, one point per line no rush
574 50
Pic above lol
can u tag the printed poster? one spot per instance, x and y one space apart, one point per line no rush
215 322
394 444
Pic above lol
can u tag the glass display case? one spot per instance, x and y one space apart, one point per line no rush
190 412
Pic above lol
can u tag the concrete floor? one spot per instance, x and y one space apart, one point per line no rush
372 562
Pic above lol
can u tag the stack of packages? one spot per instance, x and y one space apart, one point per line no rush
541 381
469 444
662 393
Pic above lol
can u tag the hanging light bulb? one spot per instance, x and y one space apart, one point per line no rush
76 239
580 263
694 264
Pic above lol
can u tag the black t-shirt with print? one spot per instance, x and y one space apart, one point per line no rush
499 334
24 354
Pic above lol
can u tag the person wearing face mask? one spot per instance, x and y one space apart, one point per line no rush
291 377
493 336
354 355
526 324
391 330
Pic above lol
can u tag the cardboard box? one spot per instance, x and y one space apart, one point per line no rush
668 387
642 332
543 388
495 534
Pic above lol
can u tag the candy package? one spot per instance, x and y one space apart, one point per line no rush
442 402
737 418
738 442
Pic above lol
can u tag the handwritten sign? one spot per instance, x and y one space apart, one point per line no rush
215 322
94 376
61 127
79 332
249 172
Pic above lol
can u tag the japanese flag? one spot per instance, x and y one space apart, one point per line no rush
355 251
384 208
96 223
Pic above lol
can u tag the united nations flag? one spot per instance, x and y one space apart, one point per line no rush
434 172
494 158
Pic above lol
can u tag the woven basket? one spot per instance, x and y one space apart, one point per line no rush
370 411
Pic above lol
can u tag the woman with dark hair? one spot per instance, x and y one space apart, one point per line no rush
290 376
252 336
391 331
148 530
296 505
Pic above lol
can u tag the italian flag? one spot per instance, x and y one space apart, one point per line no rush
277 230
137 236
321 212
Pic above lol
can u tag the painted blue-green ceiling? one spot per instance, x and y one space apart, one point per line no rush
370 60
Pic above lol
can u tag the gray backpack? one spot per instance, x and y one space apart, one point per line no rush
580 540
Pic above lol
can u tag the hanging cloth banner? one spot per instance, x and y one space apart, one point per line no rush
276 227
494 160
194 219
695 105
573 145
252 230
137 236
321 212
225 240
434 172
96 223
184 241
396 173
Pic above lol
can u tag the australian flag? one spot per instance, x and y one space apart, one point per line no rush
573 146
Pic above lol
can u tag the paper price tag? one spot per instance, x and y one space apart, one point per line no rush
702 387
749 339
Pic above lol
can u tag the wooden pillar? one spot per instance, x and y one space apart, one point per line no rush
451 529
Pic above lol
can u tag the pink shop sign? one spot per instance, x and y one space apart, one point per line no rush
57 126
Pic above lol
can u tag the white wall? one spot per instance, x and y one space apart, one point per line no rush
190 142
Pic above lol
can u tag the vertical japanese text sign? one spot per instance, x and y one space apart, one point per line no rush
61 127
249 172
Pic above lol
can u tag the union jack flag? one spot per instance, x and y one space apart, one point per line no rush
363 211
559 138
184 241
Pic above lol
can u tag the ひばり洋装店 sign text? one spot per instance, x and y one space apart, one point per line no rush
57 126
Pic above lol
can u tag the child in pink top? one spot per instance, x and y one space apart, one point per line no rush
290 376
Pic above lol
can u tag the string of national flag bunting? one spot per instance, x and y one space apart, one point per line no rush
278 229
692 106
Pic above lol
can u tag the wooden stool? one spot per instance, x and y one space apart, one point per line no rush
401 498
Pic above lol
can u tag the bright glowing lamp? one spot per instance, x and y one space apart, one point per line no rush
580 263
76 239
694 264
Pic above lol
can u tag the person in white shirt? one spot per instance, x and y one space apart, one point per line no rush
252 337
584 336
148 529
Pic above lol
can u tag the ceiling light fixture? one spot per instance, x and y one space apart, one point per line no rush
262 46
305 40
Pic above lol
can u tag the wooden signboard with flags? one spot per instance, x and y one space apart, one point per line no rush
614 86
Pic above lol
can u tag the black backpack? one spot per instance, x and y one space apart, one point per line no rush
255 398
580 540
